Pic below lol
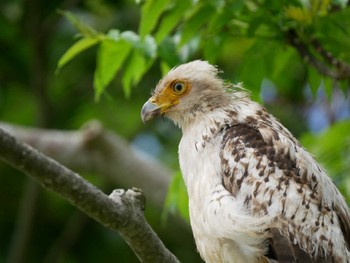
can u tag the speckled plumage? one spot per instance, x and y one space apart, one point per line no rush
255 194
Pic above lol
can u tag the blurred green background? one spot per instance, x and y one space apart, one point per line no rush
294 56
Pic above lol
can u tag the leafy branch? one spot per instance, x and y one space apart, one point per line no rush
122 211
166 31
340 70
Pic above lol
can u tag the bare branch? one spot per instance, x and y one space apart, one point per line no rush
95 150
123 212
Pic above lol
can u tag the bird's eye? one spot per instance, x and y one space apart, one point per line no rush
178 87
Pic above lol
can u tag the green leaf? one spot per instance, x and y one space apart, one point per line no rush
194 23
150 13
76 49
167 52
134 70
171 19
110 57
78 24
177 199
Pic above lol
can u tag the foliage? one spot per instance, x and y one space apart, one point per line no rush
114 48
176 31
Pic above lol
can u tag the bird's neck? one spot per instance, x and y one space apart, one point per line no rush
222 111
202 109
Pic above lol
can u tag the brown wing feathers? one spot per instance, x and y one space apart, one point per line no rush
240 137
285 252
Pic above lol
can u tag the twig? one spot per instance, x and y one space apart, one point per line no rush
122 212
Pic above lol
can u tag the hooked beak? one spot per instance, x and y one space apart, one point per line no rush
149 111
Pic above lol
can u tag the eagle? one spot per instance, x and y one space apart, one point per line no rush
255 194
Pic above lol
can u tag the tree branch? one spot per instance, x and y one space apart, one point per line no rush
122 212
342 69
95 150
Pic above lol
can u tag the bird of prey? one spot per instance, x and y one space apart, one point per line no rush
255 194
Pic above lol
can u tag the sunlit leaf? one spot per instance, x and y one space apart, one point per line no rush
171 19
110 57
76 49
134 70
150 13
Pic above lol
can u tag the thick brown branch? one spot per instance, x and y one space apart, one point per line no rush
122 212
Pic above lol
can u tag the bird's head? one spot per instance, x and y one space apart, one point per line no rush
186 90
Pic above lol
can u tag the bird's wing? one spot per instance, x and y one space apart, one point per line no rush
282 249
269 180
344 221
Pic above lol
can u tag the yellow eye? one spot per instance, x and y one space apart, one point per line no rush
178 87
